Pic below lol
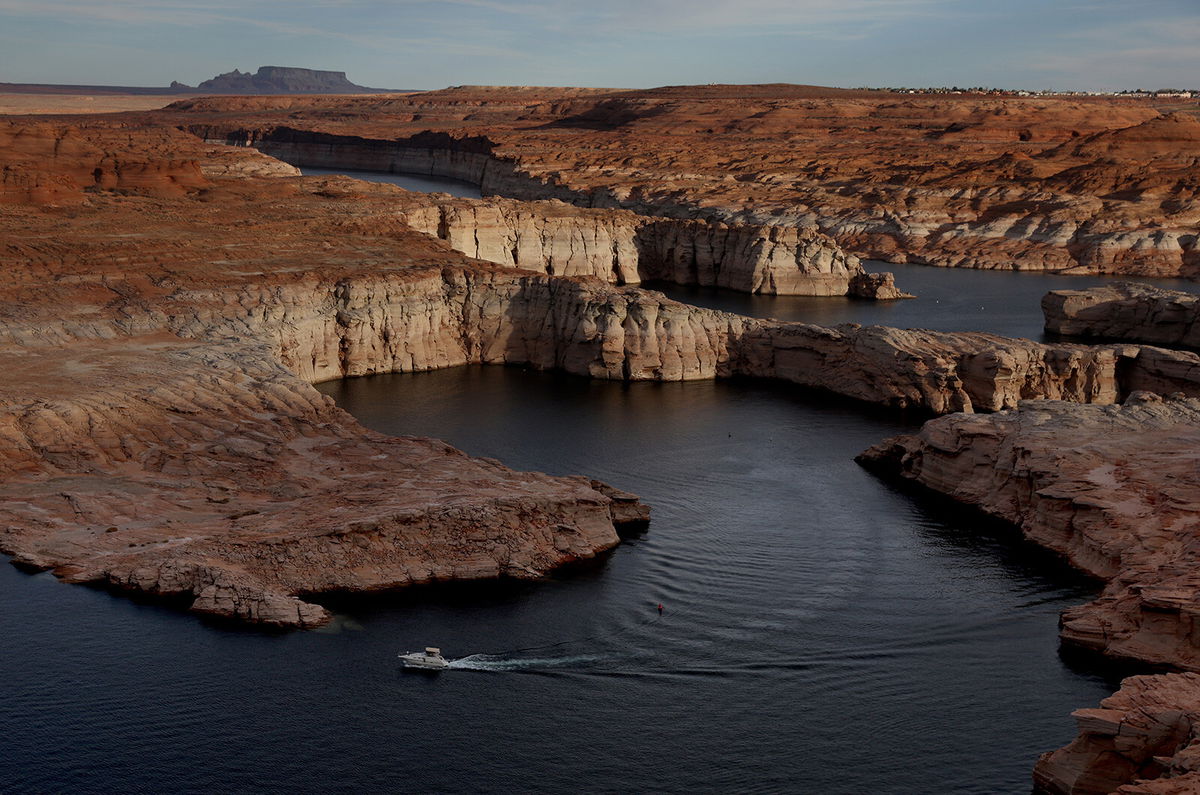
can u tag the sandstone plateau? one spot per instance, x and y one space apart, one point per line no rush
1059 184
167 301
1125 311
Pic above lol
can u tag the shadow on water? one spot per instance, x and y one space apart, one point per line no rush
458 594
953 525
947 299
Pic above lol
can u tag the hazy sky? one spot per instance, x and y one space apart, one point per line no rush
1085 44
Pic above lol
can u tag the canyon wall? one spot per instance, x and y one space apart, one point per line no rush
1068 185
1111 488
1148 732
1125 311
1114 490
433 318
620 246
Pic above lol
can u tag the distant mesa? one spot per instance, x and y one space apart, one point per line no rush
267 80
281 80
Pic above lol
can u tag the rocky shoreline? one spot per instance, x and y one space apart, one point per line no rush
171 301
1125 311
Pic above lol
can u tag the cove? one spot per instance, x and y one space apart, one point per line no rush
412 182
1007 303
823 632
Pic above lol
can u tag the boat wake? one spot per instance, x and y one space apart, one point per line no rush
500 662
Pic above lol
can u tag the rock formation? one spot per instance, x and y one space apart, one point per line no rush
1114 489
622 247
1125 311
1148 731
1074 185
171 338
281 80
168 302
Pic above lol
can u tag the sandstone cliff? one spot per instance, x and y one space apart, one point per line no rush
1148 731
1112 488
1072 185
1125 311
157 433
619 246
625 248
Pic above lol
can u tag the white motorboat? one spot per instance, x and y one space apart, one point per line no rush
429 660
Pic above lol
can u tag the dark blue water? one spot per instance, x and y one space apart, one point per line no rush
948 299
413 182
823 632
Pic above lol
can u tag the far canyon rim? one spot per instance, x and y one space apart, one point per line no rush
173 288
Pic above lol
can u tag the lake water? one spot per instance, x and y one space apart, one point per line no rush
947 299
823 632
413 182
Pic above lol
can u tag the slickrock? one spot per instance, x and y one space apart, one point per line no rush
1074 185
210 473
1125 311
156 341
166 303
1148 732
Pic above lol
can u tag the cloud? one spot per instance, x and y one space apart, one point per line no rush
644 15
1146 53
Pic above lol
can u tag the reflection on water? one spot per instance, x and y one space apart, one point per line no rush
948 299
822 632
414 182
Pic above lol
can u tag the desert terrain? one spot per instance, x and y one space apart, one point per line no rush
172 288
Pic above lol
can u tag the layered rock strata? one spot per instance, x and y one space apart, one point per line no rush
1114 489
1148 732
157 433
625 248
150 362
1071 185
619 246
212 475
1125 311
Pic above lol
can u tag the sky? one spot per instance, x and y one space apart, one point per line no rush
1035 44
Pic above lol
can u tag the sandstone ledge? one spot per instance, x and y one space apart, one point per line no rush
1125 311
157 340
1116 491
1147 733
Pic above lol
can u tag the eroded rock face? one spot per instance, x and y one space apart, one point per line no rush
1084 186
1125 311
625 248
1114 489
211 474
1148 731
